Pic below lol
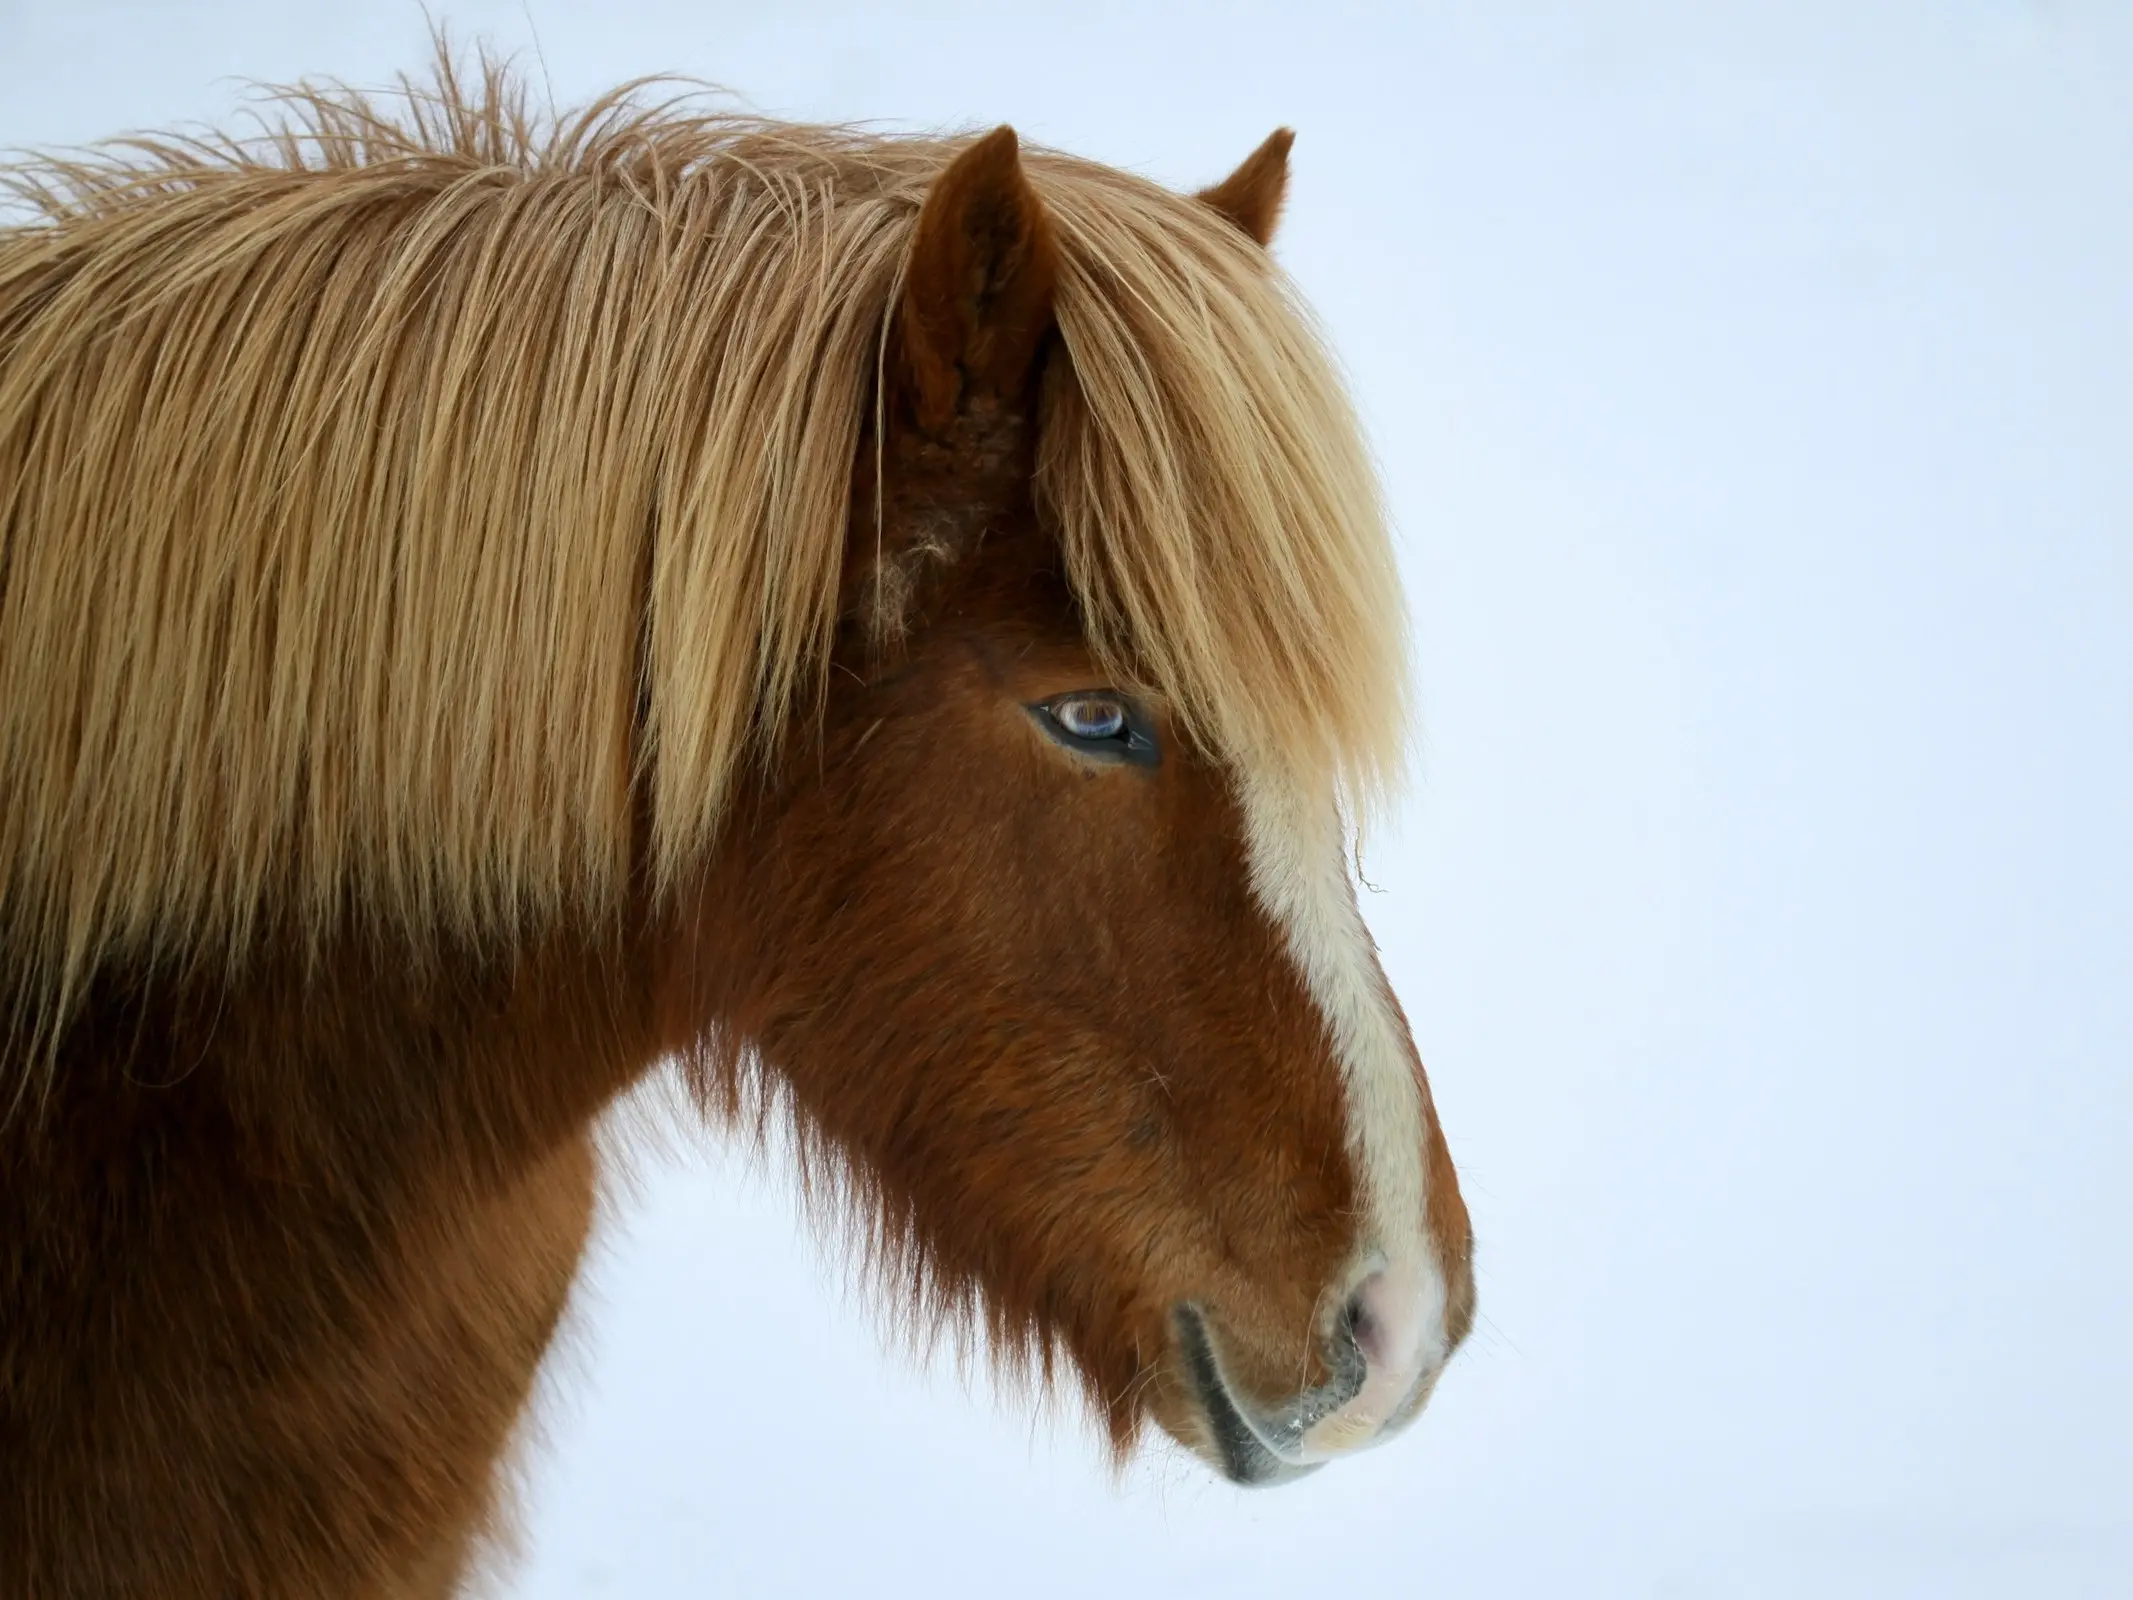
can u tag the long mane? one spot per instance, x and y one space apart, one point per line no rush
427 512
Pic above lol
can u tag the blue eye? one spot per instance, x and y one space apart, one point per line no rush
1102 724
1090 716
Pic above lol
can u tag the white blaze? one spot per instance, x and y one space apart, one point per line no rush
1300 875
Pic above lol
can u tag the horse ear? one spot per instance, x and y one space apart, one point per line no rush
1251 196
977 299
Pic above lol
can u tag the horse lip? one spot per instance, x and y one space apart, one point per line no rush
1258 1450
1246 1457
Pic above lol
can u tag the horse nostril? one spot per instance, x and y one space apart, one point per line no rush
1363 1322
1358 1321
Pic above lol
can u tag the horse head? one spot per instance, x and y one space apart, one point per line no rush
1056 954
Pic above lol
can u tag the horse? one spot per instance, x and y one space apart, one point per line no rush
497 604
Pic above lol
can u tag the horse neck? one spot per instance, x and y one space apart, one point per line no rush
366 1068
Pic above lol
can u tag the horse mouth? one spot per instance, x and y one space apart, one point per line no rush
1252 1447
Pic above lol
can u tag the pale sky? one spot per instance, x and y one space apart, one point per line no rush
1754 390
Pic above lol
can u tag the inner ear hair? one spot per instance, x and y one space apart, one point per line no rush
889 587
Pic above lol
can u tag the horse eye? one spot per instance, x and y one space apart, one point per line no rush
1101 725
1090 716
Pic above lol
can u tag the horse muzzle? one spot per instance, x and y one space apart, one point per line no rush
1381 1365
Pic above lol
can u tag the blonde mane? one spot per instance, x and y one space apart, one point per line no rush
401 508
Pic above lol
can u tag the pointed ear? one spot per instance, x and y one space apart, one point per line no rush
977 299
1251 196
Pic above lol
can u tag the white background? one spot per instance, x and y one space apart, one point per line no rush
1754 389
